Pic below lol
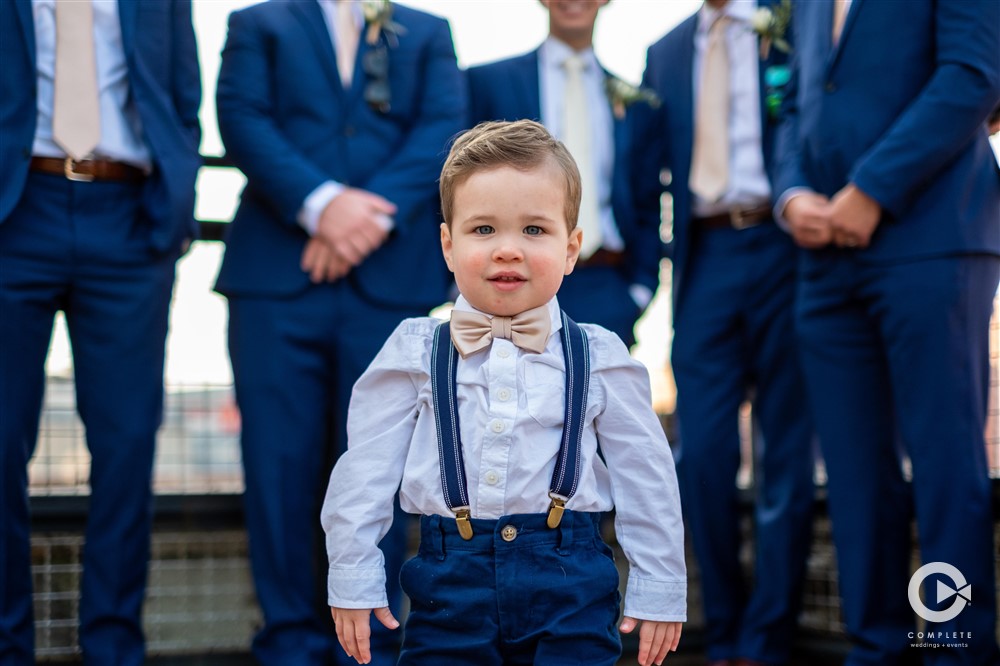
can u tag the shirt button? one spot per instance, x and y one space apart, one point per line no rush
508 533
492 477
503 353
503 394
497 426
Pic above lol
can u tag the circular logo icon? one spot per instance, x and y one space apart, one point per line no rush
960 589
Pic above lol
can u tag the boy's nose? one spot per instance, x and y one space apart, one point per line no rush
508 252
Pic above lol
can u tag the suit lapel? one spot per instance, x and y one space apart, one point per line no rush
358 78
529 86
23 9
835 50
685 87
312 19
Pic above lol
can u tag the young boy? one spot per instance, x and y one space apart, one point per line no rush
509 430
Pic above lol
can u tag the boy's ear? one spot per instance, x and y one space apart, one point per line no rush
446 246
573 249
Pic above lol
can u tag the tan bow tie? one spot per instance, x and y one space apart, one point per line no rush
471 331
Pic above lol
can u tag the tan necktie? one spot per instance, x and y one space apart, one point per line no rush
76 114
710 159
839 16
577 137
348 36
471 331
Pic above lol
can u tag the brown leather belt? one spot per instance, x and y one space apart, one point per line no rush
603 258
736 218
88 170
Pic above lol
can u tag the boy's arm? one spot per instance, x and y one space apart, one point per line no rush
358 508
643 485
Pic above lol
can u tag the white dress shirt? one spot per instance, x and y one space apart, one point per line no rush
748 185
121 129
510 407
552 83
319 199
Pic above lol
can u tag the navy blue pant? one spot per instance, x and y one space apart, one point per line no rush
83 248
599 295
548 596
295 360
733 331
894 354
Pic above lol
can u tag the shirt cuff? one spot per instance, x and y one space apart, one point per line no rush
779 208
659 601
316 203
357 588
641 294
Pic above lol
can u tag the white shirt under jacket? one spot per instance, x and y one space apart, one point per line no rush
510 406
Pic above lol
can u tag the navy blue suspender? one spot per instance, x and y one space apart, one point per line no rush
567 472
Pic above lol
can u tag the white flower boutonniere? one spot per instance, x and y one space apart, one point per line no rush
771 23
378 17
623 94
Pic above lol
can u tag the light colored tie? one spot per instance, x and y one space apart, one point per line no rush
347 39
577 135
710 159
76 114
471 331
839 16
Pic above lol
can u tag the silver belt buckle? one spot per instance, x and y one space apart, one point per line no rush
69 171
738 220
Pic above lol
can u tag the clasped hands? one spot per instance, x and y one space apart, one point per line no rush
656 639
350 228
847 220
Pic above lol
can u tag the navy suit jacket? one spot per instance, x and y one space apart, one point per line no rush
289 125
670 138
510 90
898 108
164 82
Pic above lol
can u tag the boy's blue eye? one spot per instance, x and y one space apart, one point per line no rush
534 230
483 229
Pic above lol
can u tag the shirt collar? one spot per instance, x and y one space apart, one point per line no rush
555 314
739 11
554 53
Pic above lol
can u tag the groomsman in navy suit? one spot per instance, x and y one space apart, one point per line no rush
562 85
733 289
887 178
99 143
340 122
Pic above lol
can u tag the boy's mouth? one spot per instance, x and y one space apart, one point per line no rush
507 279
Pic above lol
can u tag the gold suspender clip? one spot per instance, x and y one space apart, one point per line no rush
463 518
556 508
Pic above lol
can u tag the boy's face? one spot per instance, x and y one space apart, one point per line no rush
508 245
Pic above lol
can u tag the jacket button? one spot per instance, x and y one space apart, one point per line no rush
830 87
349 131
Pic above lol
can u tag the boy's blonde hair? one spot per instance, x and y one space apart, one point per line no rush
522 145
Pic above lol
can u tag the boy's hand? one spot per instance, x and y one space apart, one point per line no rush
354 631
655 639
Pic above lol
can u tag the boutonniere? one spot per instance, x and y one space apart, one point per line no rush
623 94
776 77
771 24
378 18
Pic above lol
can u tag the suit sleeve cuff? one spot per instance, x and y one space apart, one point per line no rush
779 207
316 203
660 601
357 588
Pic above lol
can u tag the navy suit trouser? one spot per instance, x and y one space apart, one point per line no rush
83 248
295 361
896 358
734 330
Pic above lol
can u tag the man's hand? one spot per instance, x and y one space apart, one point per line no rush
351 225
808 216
854 216
655 639
354 632
322 263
